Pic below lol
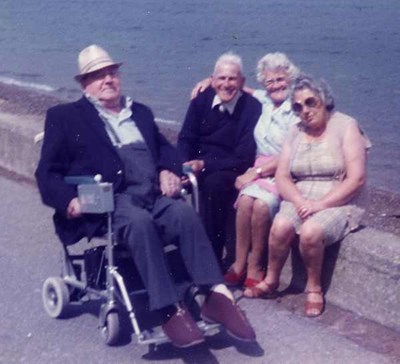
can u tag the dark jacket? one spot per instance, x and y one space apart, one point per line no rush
223 141
77 144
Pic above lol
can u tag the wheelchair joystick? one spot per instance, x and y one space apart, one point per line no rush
97 178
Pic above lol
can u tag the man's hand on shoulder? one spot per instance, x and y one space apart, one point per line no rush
170 184
200 87
74 209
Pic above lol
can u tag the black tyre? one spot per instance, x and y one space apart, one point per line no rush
111 329
55 296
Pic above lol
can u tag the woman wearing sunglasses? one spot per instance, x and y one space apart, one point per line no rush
320 174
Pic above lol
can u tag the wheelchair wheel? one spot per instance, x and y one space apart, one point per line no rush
55 295
110 330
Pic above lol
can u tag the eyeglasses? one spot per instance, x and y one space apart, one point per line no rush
310 102
274 80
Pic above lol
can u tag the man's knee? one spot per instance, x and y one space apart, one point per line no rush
140 217
182 210
135 224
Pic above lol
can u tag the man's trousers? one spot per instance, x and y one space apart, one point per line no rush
147 231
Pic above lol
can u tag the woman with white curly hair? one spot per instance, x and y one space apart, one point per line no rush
258 198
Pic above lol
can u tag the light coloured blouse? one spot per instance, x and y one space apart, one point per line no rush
273 125
269 134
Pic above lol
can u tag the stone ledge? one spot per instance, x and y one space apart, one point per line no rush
361 274
18 152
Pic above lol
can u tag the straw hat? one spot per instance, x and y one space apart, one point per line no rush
93 58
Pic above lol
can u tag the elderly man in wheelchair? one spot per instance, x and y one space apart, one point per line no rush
105 133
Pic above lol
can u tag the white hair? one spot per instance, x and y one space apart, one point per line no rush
273 62
231 58
318 87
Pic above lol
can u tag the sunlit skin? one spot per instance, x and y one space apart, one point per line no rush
277 83
105 86
314 119
253 216
227 81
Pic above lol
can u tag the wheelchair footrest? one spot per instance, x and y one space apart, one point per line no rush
157 337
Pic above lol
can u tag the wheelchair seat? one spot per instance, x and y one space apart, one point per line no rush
106 271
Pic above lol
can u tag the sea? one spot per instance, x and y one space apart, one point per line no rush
168 45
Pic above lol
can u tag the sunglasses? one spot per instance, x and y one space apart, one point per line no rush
310 102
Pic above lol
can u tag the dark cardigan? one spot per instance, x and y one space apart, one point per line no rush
223 141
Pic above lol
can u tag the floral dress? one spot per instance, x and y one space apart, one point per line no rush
316 167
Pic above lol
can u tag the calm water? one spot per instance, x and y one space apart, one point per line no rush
168 45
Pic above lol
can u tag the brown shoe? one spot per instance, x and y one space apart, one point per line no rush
182 330
220 309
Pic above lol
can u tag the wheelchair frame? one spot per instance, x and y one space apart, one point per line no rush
57 293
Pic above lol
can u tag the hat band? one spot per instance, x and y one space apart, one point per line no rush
91 66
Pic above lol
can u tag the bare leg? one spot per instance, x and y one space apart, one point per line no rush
280 237
243 232
312 251
260 224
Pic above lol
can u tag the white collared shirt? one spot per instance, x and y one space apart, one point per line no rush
228 106
120 127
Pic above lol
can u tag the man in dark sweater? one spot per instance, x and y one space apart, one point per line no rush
217 141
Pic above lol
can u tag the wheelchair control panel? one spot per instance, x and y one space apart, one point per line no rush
95 197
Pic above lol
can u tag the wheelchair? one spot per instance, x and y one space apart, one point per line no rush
105 272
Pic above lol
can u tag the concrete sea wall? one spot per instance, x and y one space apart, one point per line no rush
361 274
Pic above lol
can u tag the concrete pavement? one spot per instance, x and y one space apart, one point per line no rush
29 253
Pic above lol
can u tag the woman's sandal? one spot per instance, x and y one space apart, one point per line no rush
314 308
261 290
232 278
251 282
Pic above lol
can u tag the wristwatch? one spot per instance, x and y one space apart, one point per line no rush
259 172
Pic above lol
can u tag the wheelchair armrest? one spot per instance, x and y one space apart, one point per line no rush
188 172
82 180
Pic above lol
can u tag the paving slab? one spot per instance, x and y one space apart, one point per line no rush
30 252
